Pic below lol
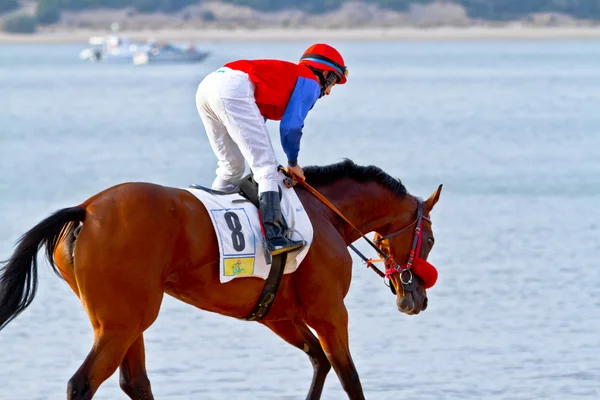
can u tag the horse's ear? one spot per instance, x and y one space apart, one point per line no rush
433 199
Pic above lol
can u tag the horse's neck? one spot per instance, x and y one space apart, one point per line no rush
368 205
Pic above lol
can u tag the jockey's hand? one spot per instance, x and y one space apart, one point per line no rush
295 172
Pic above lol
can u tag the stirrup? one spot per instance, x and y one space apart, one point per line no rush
287 249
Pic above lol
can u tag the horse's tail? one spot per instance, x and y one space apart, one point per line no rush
18 275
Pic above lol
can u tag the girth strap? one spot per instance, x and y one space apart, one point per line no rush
267 296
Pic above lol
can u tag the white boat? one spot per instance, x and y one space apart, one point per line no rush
109 48
115 49
156 52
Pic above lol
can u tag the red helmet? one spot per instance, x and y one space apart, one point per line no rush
324 57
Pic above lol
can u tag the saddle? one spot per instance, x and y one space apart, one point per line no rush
248 189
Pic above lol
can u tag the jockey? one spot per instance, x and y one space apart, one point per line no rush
234 103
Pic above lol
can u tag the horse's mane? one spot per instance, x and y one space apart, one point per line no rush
323 175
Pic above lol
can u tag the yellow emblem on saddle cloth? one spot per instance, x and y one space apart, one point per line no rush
239 266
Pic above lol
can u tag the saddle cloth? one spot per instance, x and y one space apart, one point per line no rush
237 226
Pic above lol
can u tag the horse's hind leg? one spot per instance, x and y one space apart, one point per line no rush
102 361
134 379
299 335
121 307
119 318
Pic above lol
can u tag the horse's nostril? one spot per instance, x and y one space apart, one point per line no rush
424 304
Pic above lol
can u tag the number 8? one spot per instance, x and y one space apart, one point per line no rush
237 237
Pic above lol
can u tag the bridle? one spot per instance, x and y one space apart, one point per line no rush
409 283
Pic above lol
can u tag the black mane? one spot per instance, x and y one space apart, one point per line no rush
323 175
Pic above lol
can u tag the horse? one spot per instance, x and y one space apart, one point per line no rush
122 249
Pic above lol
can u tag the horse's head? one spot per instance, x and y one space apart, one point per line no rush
409 245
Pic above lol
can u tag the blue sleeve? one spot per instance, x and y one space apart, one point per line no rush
303 98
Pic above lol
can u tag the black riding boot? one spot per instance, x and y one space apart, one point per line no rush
275 225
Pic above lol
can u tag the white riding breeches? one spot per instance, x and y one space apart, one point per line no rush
236 130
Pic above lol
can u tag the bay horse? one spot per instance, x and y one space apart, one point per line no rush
126 246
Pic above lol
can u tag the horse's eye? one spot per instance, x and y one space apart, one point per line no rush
430 242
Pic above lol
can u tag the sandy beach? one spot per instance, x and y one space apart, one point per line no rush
351 34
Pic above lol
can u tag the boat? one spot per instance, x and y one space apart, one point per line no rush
115 49
157 52
110 48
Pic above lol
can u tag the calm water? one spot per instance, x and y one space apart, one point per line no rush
512 130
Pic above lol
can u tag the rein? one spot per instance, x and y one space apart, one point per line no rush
408 283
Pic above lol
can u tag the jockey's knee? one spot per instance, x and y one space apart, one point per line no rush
237 169
232 172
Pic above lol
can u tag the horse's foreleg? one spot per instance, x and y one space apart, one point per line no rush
299 335
133 377
332 327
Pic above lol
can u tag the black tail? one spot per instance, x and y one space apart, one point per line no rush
18 275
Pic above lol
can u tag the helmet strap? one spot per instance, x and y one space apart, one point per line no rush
325 82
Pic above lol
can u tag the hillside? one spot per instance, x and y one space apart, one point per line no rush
176 14
349 19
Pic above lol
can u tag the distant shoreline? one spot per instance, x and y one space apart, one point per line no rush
301 34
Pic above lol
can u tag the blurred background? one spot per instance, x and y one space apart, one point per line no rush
498 100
